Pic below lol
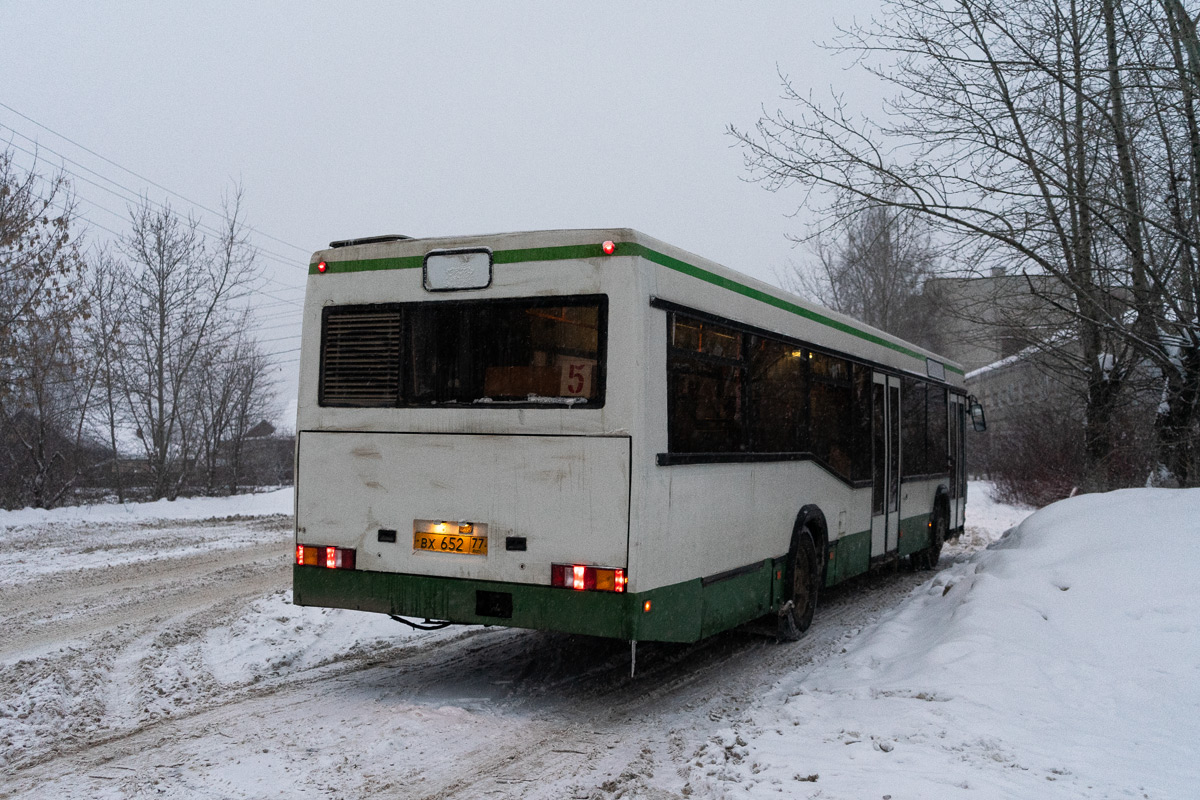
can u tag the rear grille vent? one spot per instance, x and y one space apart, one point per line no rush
360 357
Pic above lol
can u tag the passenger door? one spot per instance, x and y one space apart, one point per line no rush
958 466
885 455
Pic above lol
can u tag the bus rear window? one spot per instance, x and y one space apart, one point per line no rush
531 351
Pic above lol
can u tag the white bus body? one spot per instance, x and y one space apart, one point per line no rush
594 519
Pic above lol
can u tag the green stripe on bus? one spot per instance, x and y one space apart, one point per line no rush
682 612
914 534
851 556
369 264
584 251
561 253
674 616
759 295
735 600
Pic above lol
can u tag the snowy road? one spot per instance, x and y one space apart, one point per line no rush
162 658
153 651
44 613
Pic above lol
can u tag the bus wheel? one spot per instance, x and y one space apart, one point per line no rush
803 573
927 558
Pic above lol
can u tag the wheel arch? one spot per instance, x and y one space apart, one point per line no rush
794 619
813 518
941 501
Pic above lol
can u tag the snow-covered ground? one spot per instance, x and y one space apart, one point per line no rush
152 650
1064 661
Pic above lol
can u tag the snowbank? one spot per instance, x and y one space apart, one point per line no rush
1063 661
276 501
271 637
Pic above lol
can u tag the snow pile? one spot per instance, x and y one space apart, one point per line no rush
273 638
1063 661
276 501
987 521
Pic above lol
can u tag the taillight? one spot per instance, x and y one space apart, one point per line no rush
308 555
581 577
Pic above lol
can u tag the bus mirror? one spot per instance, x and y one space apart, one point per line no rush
978 421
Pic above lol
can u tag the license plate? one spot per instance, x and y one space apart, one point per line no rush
450 543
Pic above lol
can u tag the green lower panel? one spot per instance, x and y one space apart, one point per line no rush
914 534
851 556
683 612
732 601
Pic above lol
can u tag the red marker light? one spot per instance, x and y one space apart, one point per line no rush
609 247
583 578
310 555
322 266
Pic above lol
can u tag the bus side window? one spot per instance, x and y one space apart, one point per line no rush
913 428
705 404
778 389
860 467
936 432
705 385
830 401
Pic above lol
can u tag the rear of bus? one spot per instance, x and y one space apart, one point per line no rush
464 430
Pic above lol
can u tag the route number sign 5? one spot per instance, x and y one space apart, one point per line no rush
576 379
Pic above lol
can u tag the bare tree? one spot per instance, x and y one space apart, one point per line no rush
1022 132
254 402
873 265
180 287
215 388
103 346
1169 185
43 396
233 394
43 418
38 260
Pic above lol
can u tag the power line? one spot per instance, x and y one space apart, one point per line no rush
265 328
274 315
280 338
132 197
283 286
136 175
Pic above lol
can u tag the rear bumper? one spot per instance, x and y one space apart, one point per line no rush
676 613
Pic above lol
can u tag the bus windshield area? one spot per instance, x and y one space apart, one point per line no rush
539 351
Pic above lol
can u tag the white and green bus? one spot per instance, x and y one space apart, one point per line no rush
593 432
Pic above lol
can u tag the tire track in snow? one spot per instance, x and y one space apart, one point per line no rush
196 590
548 705
593 710
712 682
47 596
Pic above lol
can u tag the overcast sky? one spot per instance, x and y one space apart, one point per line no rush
426 119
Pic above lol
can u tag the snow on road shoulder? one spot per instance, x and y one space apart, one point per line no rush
987 520
260 504
984 513
1063 661
36 543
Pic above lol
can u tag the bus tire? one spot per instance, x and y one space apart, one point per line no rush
927 557
803 581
